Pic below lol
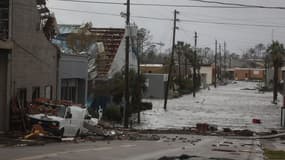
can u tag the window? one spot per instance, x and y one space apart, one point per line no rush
36 93
48 92
69 89
22 96
68 93
256 72
4 19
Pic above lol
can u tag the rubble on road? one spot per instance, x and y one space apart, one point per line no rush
202 129
182 157
37 131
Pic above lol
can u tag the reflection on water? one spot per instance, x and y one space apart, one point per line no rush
225 106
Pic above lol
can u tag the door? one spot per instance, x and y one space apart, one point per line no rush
66 123
3 90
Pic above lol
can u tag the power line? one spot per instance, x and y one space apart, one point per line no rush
156 4
82 11
182 20
182 6
234 24
98 2
238 4
111 14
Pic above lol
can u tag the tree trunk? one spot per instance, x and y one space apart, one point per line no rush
275 83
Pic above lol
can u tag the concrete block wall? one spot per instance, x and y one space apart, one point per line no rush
34 58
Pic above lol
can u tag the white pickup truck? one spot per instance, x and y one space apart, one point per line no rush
68 121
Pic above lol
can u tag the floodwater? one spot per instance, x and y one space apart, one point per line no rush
224 106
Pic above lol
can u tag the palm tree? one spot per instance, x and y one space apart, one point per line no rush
276 51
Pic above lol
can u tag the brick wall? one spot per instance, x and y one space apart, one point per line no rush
249 74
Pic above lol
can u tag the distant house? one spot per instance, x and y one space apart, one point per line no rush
28 60
207 74
249 74
155 85
153 68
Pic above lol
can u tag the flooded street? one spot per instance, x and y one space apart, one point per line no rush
225 106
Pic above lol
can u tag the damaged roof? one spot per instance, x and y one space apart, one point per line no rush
108 42
111 39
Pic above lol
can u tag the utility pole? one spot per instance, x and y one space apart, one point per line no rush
171 60
194 66
230 63
216 49
139 52
179 54
127 96
225 59
185 64
221 63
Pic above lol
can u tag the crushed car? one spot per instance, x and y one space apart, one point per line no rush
66 121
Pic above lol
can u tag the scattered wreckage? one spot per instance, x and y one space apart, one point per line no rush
58 119
67 121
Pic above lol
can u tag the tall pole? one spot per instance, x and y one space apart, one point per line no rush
179 54
225 59
215 76
126 109
185 67
171 60
194 67
221 63
139 44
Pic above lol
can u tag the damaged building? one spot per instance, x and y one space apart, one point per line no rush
28 60
106 56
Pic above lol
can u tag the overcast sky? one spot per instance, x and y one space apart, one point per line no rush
238 38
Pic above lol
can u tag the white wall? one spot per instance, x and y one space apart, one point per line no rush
119 60
73 67
208 71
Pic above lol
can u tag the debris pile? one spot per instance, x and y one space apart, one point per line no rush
182 157
201 129
43 105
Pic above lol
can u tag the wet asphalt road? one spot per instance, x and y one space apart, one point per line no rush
224 106
170 145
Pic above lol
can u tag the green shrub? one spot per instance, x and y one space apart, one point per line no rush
112 113
186 84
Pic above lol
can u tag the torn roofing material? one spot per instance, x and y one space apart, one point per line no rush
111 39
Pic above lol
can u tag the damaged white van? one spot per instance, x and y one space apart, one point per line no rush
67 121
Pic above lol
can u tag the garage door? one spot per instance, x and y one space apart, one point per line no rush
3 87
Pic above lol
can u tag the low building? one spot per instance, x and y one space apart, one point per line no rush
153 68
155 85
241 74
73 78
207 73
